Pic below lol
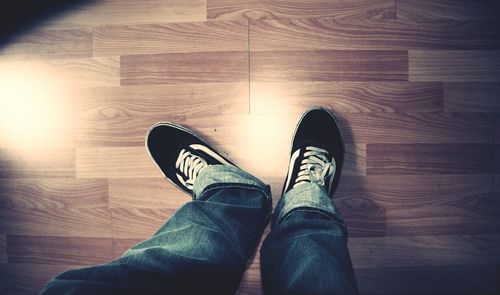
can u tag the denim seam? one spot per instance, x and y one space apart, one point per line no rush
214 186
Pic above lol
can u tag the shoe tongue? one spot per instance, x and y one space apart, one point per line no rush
304 143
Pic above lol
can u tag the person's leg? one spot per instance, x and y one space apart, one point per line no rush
202 248
306 251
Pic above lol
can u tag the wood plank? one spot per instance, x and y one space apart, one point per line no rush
346 97
472 97
266 9
48 44
231 132
120 245
447 9
115 162
27 278
171 38
454 65
71 222
415 159
416 127
171 102
3 249
418 204
154 193
361 34
328 65
462 280
424 251
53 193
119 12
251 280
39 133
201 67
75 72
145 221
37 163
355 160
399 191
58 250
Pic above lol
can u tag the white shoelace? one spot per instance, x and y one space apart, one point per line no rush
190 165
315 167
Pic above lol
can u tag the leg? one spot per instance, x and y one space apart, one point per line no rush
203 247
306 251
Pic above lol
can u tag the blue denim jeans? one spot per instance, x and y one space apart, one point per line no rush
204 247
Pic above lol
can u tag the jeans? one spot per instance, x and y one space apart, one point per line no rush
204 247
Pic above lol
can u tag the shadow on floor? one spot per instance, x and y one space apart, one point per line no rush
19 16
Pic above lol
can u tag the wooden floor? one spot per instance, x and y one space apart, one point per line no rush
415 85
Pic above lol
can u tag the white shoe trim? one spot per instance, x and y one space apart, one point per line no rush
293 158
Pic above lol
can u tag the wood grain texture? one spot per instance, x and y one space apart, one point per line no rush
228 132
418 204
118 12
109 162
146 221
430 159
71 222
360 34
120 245
171 38
355 160
472 97
346 97
417 128
48 44
328 65
267 9
75 72
426 250
463 280
38 163
454 65
413 85
53 193
58 250
145 193
447 9
203 67
172 102
23 279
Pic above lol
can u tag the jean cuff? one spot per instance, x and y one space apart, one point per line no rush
214 174
307 195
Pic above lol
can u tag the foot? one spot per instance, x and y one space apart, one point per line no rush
180 154
317 151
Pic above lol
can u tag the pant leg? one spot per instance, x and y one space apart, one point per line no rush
306 251
202 248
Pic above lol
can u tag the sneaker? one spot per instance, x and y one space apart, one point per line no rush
180 154
317 151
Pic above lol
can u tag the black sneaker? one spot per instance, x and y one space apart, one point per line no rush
317 151
180 154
